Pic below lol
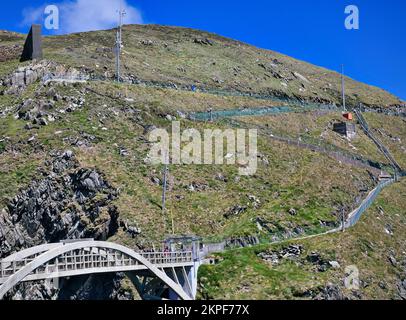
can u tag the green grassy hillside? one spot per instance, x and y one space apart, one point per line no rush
296 191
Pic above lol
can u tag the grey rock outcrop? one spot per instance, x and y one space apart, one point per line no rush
68 202
331 292
17 81
24 76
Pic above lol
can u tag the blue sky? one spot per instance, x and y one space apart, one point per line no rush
310 30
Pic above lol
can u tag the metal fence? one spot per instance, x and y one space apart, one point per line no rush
317 145
218 114
355 215
379 144
65 77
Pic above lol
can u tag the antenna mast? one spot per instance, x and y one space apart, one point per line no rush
343 87
119 43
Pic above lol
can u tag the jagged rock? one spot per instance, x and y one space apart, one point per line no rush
148 129
20 79
330 292
402 289
221 177
235 211
242 242
298 230
388 229
85 140
156 181
147 42
130 229
59 206
292 211
197 187
181 114
203 41
124 152
35 291
270 258
334 264
40 121
274 257
263 224
313 257
291 251
392 260
316 259
24 76
94 287
382 285
254 201
328 224
68 154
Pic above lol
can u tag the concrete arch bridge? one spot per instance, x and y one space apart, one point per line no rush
156 275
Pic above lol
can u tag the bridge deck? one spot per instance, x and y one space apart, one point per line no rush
93 260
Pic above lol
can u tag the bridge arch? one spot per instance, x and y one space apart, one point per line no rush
30 252
47 253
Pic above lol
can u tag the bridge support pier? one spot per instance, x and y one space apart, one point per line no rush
150 287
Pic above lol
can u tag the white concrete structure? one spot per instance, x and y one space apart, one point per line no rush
156 275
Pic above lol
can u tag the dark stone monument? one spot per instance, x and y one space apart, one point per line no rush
33 44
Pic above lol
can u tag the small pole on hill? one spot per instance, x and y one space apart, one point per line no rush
164 188
164 183
119 43
343 87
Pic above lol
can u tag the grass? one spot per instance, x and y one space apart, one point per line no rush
300 179
391 131
241 274
15 176
313 184
250 278
175 57
316 128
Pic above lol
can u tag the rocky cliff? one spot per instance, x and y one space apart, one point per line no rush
64 202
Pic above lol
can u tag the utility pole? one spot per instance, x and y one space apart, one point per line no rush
164 184
164 188
343 87
119 42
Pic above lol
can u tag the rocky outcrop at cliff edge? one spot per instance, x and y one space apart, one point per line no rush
68 202
84 287
17 81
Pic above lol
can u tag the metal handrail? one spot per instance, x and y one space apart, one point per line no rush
379 144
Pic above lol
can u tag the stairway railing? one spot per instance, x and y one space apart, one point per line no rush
379 144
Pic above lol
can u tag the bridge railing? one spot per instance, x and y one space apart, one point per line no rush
168 257
94 258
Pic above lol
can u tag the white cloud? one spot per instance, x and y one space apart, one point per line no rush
85 15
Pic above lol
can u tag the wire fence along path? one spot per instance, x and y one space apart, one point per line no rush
355 215
289 105
317 146
285 100
379 144
351 220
